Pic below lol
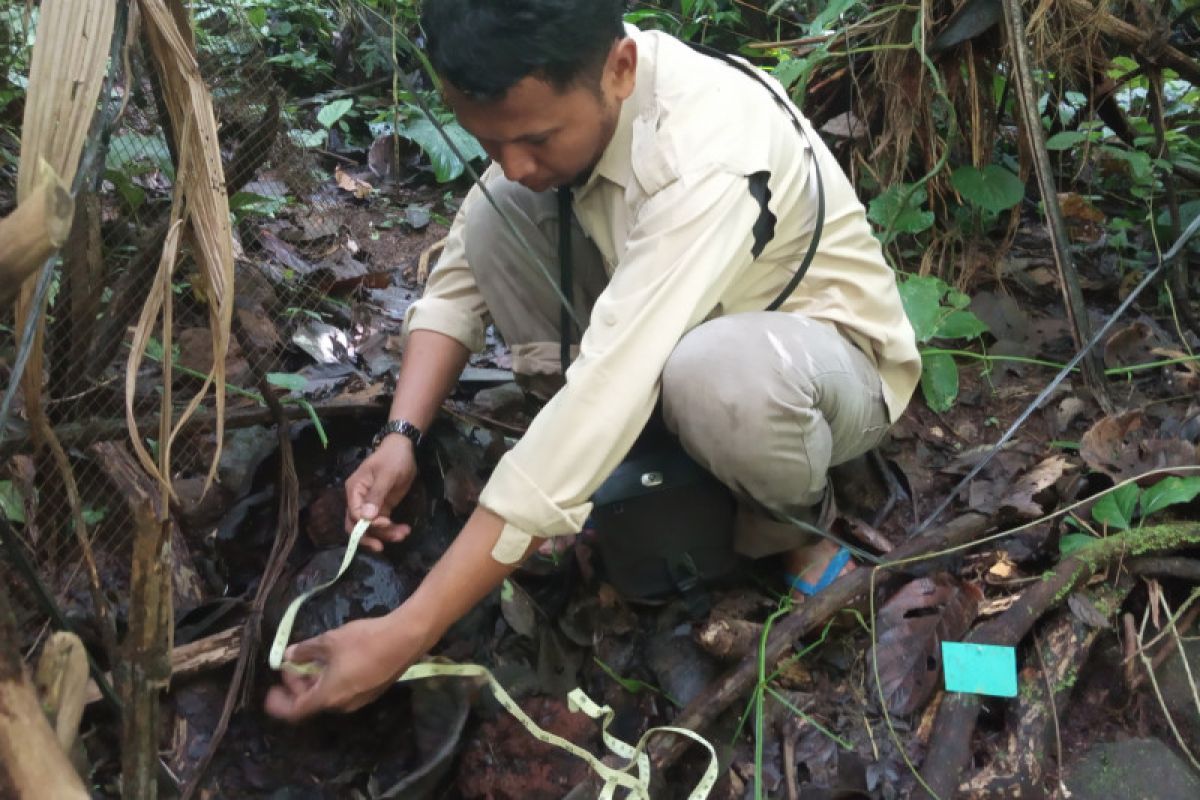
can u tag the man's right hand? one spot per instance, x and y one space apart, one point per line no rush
377 486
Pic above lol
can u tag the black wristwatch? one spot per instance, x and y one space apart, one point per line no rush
402 427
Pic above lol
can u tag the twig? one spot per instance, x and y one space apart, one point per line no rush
1178 276
1031 122
1183 654
1187 569
789 763
1158 692
193 658
1050 691
1129 628
287 528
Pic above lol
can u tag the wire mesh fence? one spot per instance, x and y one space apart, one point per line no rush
300 272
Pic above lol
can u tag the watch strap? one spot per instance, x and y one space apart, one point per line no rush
402 427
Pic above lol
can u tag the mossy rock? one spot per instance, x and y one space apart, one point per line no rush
1134 769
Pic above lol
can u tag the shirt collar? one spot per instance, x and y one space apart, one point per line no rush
615 162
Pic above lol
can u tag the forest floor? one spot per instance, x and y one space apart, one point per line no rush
560 626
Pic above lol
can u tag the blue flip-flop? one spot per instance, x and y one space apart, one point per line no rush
836 565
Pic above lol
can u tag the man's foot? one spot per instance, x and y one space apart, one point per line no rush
810 569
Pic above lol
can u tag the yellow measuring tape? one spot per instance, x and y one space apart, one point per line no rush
635 756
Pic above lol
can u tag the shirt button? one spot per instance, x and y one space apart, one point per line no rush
609 318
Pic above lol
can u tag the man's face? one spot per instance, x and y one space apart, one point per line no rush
542 137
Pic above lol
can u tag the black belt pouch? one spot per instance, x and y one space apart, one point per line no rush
663 523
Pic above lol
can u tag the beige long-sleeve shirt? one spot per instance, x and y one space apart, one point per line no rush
669 208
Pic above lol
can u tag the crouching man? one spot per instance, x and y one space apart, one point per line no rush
694 199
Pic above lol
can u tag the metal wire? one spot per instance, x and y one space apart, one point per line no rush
1149 278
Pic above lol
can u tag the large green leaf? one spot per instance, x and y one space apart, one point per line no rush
331 113
446 166
127 151
1065 140
993 188
939 380
921 296
1116 509
900 209
1169 492
961 325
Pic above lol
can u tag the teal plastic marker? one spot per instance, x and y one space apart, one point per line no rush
980 668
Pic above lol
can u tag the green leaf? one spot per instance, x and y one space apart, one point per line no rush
446 166
257 204
94 516
993 188
331 113
957 299
1169 492
127 150
1115 509
921 296
288 380
788 72
903 215
133 195
1140 163
308 139
1073 542
1065 140
830 12
961 325
939 380
11 503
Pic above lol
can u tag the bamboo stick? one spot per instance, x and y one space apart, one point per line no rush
34 231
32 765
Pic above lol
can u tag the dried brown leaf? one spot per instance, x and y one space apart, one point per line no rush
1021 497
1130 345
911 627
1122 447
347 182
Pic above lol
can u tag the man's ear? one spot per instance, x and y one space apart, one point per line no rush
620 71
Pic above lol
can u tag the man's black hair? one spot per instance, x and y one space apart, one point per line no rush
484 47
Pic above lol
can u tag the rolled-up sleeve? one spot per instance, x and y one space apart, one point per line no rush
452 304
689 242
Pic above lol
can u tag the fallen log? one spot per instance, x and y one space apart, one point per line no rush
950 747
1019 768
34 231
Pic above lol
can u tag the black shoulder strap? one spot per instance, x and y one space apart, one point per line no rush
819 226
